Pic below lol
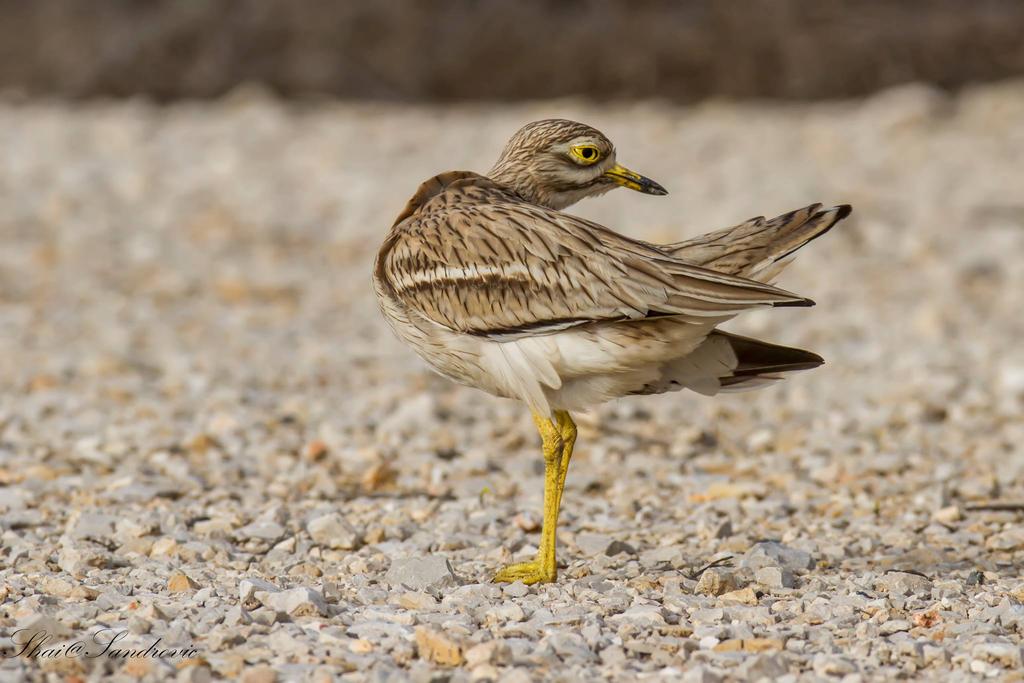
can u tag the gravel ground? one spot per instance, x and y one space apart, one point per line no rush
208 435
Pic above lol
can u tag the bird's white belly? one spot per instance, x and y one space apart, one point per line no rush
455 356
605 362
573 369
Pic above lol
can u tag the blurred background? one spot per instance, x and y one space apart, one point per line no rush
456 50
191 198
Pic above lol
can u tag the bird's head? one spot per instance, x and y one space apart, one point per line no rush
556 163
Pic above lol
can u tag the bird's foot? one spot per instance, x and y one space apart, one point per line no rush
534 571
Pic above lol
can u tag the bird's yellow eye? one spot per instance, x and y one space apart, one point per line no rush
585 154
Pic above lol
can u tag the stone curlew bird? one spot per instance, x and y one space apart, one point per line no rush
496 288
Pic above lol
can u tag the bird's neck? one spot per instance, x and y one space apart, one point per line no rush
526 186
517 180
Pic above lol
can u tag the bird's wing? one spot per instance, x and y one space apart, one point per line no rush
474 258
759 248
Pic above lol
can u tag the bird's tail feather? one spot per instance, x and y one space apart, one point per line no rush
728 362
759 249
760 363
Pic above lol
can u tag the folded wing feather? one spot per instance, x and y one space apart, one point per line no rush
475 259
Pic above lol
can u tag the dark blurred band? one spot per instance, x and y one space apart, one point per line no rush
445 50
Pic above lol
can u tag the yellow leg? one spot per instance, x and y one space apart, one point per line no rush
567 428
557 437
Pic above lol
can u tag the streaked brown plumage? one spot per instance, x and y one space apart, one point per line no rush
498 289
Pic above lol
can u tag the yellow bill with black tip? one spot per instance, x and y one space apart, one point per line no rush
634 181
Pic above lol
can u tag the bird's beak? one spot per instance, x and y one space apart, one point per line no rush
634 181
